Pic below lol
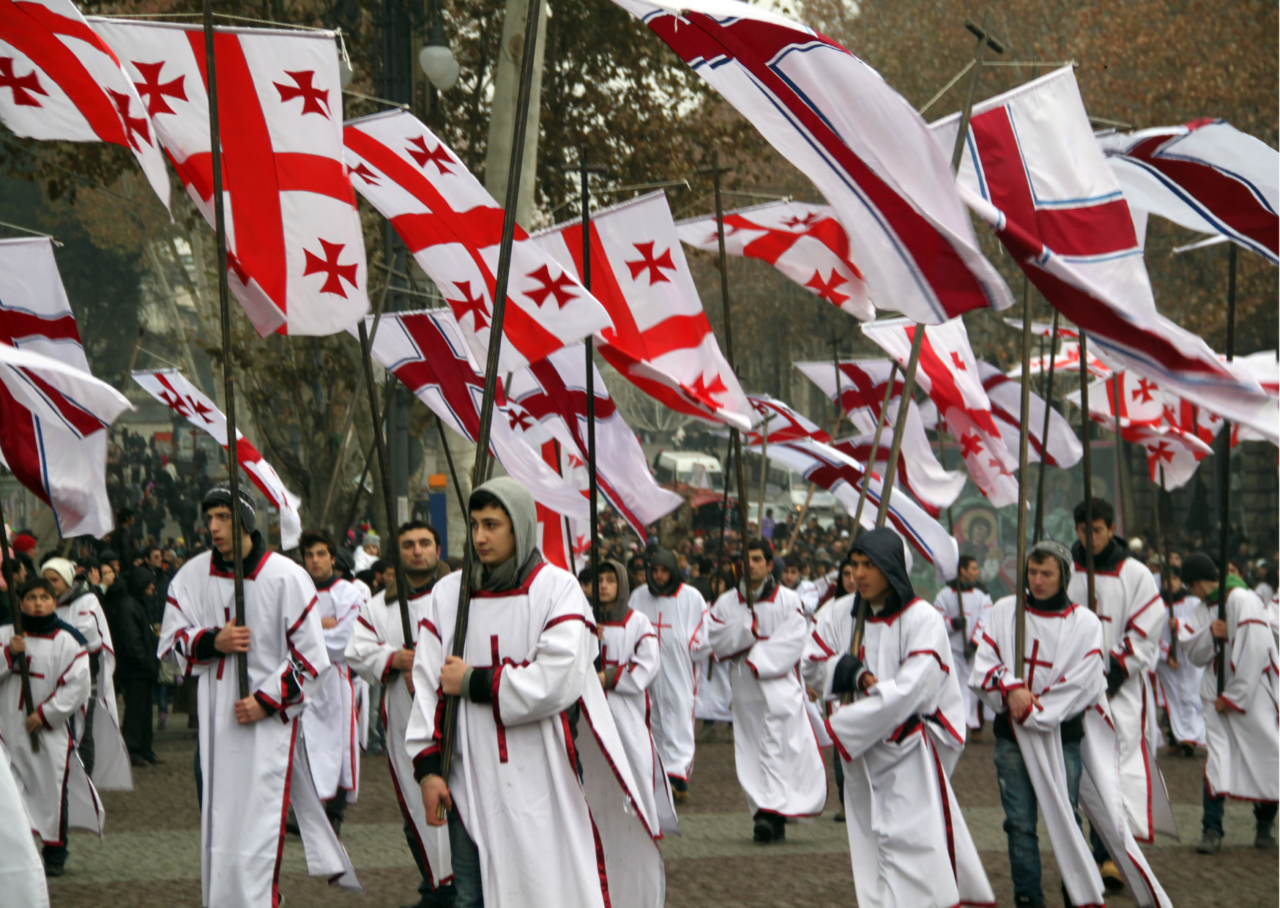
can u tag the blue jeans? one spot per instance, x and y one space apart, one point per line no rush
1264 812
466 865
1018 797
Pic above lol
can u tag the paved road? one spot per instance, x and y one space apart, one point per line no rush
150 855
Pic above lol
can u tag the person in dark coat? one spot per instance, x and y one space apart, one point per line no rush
136 663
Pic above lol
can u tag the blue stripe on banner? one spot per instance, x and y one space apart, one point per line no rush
44 471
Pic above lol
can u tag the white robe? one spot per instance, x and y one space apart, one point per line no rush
252 773
678 620
112 769
331 719
1244 741
1065 669
778 759
544 838
1132 613
975 604
907 837
59 673
631 648
377 637
22 881
1178 688
713 698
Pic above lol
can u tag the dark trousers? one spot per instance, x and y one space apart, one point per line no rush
466 865
56 855
1018 796
1264 812
136 727
676 784
85 747
336 807
443 897
839 765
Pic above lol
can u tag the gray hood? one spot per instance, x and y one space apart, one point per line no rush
519 505
618 611
667 559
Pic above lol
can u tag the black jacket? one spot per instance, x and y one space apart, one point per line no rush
131 630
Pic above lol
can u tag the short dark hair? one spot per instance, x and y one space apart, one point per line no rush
791 561
1102 510
1040 557
420 525
483 498
761 545
318 537
379 566
148 549
965 561
39 583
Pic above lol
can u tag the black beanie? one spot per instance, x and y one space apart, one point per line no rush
221 495
1198 566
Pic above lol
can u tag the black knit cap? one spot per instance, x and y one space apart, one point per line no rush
221 495
1198 566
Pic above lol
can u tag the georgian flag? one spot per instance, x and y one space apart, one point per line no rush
948 373
59 80
1060 449
453 227
1033 171
779 423
295 248
1206 176
1066 365
860 142
171 388
805 242
51 408
661 340
428 353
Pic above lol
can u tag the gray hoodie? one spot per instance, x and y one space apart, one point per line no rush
519 505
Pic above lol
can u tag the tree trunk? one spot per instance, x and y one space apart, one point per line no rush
502 119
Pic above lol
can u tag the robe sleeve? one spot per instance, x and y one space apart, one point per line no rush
821 652
180 632
1194 635
368 655
71 691
1080 686
641 667
83 619
699 644
872 718
422 737
306 659
1139 643
346 608
729 627
777 654
554 677
1250 656
990 677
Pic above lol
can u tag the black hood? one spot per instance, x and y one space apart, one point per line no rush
137 579
1109 559
667 559
884 547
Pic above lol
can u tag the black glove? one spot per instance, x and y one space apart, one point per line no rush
845 678
970 650
957 624
1116 676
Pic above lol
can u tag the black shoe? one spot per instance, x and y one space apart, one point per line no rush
138 761
1188 750
336 823
55 869
1025 901
153 760
779 828
839 817
1265 838
1210 842
763 830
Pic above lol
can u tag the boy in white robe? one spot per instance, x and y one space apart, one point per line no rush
58 668
961 603
899 738
536 798
1178 679
377 652
1132 615
252 758
677 612
628 665
21 872
330 720
775 751
1241 724
807 590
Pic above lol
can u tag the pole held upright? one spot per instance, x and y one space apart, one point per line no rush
1225 468
1024 431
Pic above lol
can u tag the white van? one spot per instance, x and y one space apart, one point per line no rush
692 468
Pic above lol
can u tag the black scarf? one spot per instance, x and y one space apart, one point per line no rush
249 559
1055 603
1109 559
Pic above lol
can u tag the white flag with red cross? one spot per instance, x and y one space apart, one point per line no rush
805 242
948 373
295 248
60 80
453 227
171 388
661 340
1061 448
779 422
51 408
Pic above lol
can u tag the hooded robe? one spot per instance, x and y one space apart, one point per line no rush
545 835
899 741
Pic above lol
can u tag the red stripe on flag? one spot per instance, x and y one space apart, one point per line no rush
14 323
20 446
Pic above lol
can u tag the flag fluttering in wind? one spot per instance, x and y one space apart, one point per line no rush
295 248
805 242
860 142
60 80
1061 448
171 388
1206 176
51 408
453 228
661 340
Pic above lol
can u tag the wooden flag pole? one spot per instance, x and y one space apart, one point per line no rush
450 724
1024 431
15 606
1164 558
1087 461
228 366
1225 468
1121 465
1044 432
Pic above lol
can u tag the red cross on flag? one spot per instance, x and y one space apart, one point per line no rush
1206 176
862 386
453 227
1066 365
783 423
805 242
1141 401
861 143
1033 170
59 80
661 340
429 354
295 248
553 392
1178 452
51 408
171 388
948 373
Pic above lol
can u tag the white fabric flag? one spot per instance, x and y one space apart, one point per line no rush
171 388
49 436
1061 449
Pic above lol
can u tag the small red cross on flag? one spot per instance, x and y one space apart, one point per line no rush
314 100
155 91
334 273
561 287
24 88
653 265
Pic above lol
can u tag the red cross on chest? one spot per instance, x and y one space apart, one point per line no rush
1033 664
658 626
